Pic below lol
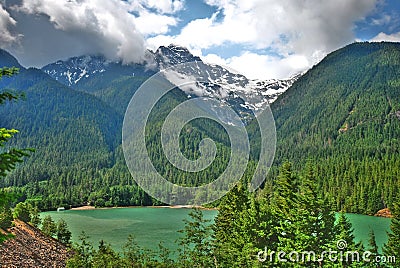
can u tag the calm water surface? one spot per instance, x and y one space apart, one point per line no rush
152 225
148 225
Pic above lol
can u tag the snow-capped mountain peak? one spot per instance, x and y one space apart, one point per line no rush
200 79
173 55
73 70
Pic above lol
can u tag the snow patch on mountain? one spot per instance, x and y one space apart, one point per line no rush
199 79
73 70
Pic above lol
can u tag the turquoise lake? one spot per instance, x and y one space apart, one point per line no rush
152 225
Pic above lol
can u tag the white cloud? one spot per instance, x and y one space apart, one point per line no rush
262 66
157 22
160 40
293 26
108 27
308 29
208 32
162 6
151 23
296 34
383 20
61 29
214 59
6 21
395 37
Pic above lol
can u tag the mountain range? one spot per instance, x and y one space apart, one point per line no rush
95 74
343 115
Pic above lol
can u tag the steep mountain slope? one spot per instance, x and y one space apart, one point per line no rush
91 73
74 133
6 59
217 81
344 115
113 82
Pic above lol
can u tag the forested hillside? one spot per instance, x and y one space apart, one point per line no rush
76 133
344 114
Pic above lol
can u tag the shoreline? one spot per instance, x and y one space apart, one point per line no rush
379 214
174 207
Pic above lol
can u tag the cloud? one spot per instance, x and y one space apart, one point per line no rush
107 28
6 22
214 59
262 66
162 6
155 16
385 19
154 24
209 32
52 30
306 29
395 37
269 38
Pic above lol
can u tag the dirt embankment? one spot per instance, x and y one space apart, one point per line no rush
384 213
31 248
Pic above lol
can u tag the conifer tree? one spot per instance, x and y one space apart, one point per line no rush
49 227
228 238
392 247
84 254
164 255
105 256
345 242
285 203
373 248
6 217
136 256
314 221
285 191
22 211
63 234
35 218
195 244
11 157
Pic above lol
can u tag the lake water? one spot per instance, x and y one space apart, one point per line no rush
362 224
152 225
148 225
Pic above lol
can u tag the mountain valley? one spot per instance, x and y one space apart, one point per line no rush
342 115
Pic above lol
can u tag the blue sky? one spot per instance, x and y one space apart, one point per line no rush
259 38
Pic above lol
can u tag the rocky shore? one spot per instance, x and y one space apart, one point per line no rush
31 248
384 213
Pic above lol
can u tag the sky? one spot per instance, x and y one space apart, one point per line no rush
262 39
